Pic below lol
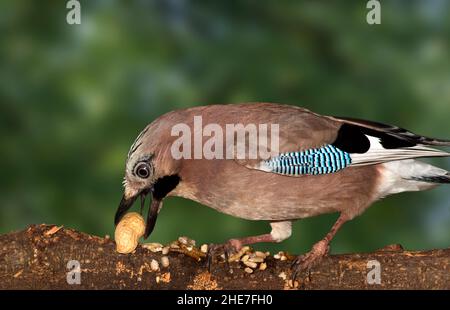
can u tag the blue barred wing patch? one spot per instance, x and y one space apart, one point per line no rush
323 160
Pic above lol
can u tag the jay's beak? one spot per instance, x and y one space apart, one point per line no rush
124 205
127 202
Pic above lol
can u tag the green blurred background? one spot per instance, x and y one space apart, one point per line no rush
73 98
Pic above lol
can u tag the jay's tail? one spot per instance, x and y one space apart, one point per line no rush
410 175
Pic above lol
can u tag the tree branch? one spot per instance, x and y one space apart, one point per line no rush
37 258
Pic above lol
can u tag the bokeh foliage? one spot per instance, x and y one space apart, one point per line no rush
73 98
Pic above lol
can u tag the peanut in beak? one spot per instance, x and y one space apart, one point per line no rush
128 232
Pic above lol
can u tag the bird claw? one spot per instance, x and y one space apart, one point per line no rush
218 249
304 263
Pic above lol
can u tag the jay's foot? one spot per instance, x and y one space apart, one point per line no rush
304 263
228 248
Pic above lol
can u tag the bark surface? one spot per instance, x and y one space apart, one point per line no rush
38 257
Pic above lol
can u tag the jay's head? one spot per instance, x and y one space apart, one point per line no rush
148 172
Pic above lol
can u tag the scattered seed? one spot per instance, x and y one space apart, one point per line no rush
154 247
283 258
154 266
279 255
173 245
183 240
189 248
256 259
245 249
245 258
204 248
282 275
165 261
262 266
267 253
260 254
186 241
158 278
165 250
248 270
235 257
250 264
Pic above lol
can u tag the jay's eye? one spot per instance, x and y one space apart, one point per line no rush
142 170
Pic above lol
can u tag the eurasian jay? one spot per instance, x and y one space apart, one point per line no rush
312 165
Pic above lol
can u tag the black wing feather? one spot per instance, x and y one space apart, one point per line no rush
391 137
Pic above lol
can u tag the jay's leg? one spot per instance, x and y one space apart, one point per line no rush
280 231
318 251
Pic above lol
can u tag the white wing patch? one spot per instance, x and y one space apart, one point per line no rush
378 154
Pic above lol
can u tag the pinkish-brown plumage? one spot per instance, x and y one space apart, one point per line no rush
233 189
